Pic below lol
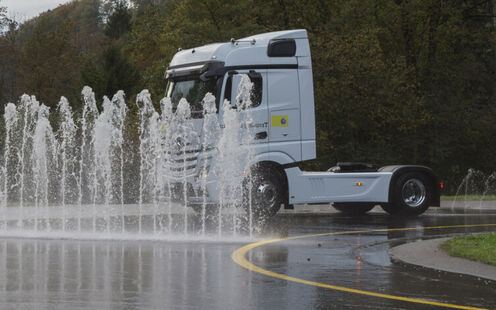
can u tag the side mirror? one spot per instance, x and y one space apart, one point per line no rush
254 75
204 77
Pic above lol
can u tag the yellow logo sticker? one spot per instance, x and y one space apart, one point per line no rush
280 121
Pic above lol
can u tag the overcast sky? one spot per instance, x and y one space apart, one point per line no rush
25 9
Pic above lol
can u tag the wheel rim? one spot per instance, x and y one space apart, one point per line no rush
413 193
266 194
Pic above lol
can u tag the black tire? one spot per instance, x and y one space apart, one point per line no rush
265 190
354 208
411 195
389 208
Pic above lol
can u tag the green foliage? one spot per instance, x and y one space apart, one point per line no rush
3 24
50 63
480 248
403 81
183 24
3 17
469 198
109 73
119 22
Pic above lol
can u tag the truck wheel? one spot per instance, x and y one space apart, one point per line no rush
389 208
353 208
412 195
267 193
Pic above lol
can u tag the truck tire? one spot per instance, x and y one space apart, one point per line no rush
353 208
411 196
266 192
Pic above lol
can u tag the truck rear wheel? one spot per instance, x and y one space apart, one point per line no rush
353 208
265 195
411 196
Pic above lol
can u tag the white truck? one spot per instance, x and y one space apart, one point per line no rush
280 67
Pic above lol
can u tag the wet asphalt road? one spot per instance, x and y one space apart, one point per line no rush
119 274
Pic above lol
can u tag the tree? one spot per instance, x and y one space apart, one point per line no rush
9 63
109 73
140 6
4 21
119 21
183 24
395 81
402 81
50 63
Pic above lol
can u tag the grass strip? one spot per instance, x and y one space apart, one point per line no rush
481 248
469 197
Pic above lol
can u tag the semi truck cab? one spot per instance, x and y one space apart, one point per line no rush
283 111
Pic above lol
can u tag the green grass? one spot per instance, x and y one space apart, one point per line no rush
469 197
480 248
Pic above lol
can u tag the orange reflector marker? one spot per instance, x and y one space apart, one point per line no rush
359 183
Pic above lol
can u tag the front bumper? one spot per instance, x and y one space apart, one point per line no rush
192 193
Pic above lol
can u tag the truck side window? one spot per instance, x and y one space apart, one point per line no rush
256 91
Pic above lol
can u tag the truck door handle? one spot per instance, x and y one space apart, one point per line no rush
261 135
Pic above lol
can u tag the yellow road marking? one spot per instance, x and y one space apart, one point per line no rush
239 257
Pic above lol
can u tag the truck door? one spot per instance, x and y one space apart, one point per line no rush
284 112
258 111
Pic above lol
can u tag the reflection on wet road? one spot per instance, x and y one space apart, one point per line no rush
69 274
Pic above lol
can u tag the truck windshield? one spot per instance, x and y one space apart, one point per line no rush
192 89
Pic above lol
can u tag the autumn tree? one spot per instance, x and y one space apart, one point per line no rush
111 72
3 16
395 81
119 21
50 63
9 57
3 23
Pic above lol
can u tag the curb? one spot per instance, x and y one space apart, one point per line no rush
427 254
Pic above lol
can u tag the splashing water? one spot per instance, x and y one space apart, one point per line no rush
210 130
29 106
11 119
235 153
87 171
166 131
64 174
475 186
67 133
44 157
148 152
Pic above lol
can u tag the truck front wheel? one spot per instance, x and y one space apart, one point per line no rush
264 193
412 195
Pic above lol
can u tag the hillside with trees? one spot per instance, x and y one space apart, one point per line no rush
396 81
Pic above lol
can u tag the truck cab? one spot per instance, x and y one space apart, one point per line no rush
279 64
283 123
